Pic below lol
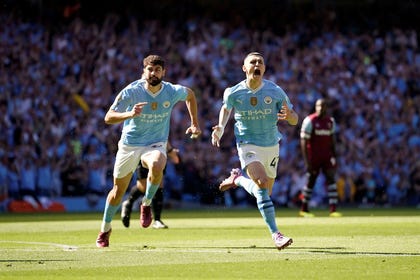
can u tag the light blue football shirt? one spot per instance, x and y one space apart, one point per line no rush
153 124
255 112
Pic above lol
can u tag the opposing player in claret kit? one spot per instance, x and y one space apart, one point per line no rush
318 145
145 108
259 105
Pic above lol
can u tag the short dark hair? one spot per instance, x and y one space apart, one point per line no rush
154 60
254 53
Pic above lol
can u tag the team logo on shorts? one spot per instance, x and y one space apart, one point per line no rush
253 101
250 155
268 100
166 104
154 105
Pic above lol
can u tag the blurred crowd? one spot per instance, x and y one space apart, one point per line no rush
57 82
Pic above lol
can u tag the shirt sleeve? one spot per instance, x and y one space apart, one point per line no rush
121 102
226 98
306 130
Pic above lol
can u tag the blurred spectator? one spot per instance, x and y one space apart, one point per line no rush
44 183
27 175
12 180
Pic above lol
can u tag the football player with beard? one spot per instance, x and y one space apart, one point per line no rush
144 107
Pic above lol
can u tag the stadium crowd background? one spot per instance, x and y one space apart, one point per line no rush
63 62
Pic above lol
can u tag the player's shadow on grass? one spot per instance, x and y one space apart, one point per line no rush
331 250
313 250
255 247
364 253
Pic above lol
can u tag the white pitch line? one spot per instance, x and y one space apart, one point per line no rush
62 246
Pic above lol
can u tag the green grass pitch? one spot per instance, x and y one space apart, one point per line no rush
214 244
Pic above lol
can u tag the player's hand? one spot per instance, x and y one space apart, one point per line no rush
137 109
174 150
173 155
284 112
216 135
333 161
194 130
287 114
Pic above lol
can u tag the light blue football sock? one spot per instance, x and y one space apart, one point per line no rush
109 213
264 202
266 207
247 184
151 190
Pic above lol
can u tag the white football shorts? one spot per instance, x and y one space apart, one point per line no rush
268 156
128 157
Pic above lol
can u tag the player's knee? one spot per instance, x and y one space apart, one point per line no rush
156 167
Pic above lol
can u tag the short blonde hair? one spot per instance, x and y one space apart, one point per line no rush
253 53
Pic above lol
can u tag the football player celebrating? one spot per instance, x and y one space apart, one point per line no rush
259 105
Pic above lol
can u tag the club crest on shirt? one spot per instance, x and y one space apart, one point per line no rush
268 100
166 104
154 105
253 101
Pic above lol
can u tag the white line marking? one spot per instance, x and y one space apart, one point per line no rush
62 246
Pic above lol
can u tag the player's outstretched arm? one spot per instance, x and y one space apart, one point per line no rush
219 129
191 103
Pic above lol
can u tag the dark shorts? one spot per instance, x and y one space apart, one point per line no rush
323 164
142 172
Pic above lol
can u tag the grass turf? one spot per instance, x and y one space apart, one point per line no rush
214 244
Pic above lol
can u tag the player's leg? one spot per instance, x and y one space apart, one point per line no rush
261 168
332 192
312 174
157 207
126 161
135 192
262 191
111 207
264 204
127 205
155 161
